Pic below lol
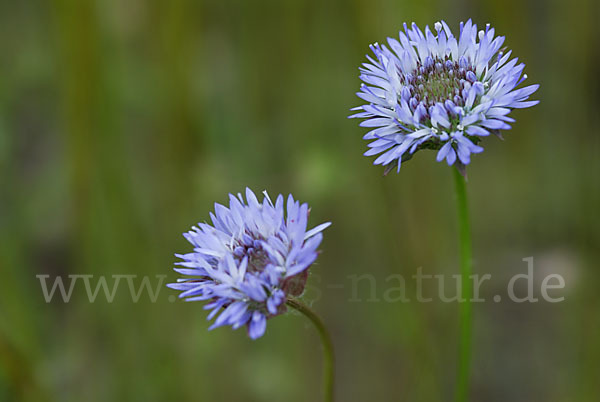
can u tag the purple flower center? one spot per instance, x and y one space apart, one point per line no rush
437 80
252 248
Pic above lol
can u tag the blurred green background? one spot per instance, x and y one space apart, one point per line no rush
121 122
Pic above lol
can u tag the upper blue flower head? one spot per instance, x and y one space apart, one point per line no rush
434 91
249 260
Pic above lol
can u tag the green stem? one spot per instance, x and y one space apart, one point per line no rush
328 357
464 357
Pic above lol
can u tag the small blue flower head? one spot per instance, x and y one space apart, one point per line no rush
435 91
249 260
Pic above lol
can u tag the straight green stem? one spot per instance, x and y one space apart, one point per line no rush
328 356
464 353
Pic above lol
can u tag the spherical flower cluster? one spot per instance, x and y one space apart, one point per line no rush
434 91
247 263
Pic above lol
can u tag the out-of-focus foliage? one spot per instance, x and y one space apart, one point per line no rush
121 122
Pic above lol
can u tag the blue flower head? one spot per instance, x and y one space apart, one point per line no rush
249 260
436 91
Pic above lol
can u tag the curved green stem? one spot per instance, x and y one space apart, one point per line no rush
328 357
464 356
